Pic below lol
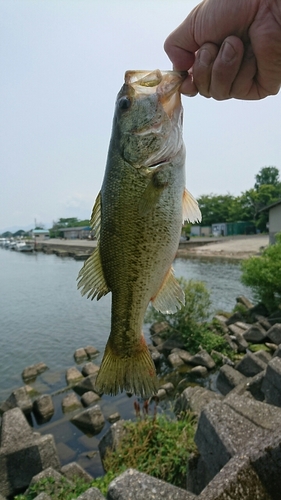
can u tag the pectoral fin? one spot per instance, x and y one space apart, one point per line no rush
91 277
96 216
191 210
170 297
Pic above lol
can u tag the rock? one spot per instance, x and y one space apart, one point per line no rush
23 453
258 310
194 399
156 356
112 438
161 394
228 378
43 408
158 328
225 359
134 485
265 356
89 369
157 340
73 375
271 346
91 494
230 342
274 333
87 384
41 496
271 386
275 317
170 344
59 480
80 355
255 334
237 316
239 339
263 322
91 351
89 398
183 354
70 403
31 372
244 301
204 359
90 420
234 329
175 360
114 418
20 398
277 351
250 365
169 387
75 470
200 371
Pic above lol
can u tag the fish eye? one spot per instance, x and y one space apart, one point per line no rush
124 103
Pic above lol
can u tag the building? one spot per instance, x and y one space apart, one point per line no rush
40 234
233 228
76 233
274 224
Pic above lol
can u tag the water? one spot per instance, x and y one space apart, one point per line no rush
43 317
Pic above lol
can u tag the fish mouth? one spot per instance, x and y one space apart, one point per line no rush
165 84
159 163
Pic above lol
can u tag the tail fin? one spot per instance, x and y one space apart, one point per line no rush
133 372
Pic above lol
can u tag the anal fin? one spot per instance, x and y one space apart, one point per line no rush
170 297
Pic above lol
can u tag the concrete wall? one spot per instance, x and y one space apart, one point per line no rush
274 222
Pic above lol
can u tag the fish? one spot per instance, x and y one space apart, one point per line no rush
137 218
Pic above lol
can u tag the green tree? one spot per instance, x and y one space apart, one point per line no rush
267 175
216 208
262 275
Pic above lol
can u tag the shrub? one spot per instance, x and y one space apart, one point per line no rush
263 275
189 321
157 446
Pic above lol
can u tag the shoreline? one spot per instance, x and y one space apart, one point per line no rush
228 247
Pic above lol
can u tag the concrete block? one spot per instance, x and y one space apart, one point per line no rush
221 434
271 385
87 384
90 420
23 453
112 438
134 485
250 365
91 494
73 469
20 398
228 378
274 333
255 334
195 399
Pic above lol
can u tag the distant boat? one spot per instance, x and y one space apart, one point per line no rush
24 246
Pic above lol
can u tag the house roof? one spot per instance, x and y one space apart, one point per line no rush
271 206
40 231
79 228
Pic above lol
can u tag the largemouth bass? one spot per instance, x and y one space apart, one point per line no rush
138 218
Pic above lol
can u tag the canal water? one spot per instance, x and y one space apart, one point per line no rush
43 317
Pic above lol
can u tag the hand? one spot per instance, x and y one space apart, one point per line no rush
231 49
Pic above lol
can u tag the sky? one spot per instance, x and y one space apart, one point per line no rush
62 63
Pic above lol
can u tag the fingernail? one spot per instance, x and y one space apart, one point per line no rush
205 57
227 52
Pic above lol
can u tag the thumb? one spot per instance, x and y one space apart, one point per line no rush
180 46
